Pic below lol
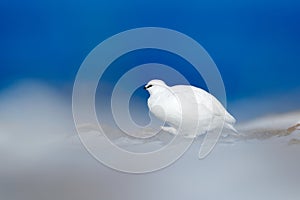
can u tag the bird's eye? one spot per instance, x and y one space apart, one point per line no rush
149 86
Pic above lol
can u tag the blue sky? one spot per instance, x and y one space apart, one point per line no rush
255 44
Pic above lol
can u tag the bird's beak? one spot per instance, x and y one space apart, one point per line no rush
145 87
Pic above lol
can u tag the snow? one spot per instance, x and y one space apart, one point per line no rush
42 157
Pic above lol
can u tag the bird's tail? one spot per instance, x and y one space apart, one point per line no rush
231 127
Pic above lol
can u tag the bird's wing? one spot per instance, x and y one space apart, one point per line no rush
214 105
204 100
192 98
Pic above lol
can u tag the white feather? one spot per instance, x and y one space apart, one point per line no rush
190 110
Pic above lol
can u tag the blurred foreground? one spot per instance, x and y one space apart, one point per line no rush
42 158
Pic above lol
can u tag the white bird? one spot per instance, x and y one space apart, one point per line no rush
186 109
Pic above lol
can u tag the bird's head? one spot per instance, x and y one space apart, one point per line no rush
155 86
